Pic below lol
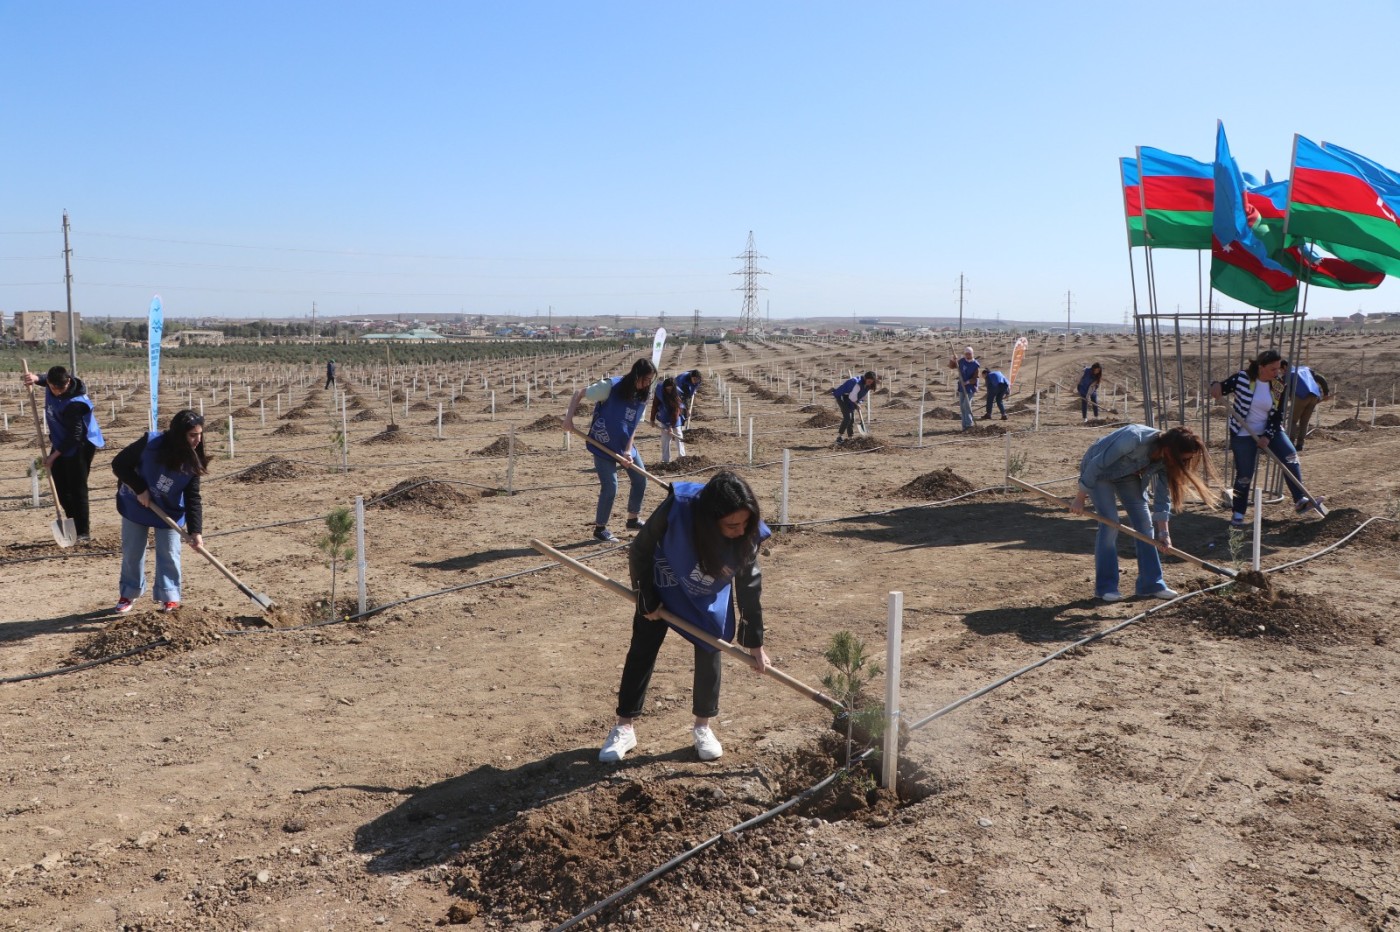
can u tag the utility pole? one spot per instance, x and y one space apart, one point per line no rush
1067 308
68 284
313 323
960 303
695 325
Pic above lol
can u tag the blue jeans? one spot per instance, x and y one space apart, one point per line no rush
965 403
1130 491
1084 404
997 397
133 578
607 477
1246 453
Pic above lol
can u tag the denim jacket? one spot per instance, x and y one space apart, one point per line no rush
1123 454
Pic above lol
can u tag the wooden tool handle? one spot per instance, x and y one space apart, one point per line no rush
622 460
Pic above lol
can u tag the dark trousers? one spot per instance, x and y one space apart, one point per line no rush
997 395
647 636
1084 401
70 477
848 417
330 380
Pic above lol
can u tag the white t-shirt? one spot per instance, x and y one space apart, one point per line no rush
1259 407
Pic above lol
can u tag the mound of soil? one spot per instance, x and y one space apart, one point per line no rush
365 415
941 412
448 417
183 629
501 447
985 428
811 409
786 399
1388 420
423 493
866 442
547 422
290 429
422 406
681 464
1350 423
390 434
702 433
270 469
935 486
299 413
9 436
822 418
1301 619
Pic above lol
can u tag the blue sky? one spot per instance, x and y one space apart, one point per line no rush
611 158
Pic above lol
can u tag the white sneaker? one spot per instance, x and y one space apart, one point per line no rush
706 744
620 740
1164 594
1111 597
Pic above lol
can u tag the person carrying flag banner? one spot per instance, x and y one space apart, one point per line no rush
1345 203
1239 261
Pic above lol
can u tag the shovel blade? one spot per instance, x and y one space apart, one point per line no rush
64 532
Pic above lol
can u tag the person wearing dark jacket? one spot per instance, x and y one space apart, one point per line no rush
162 468
330 373
1308 389
1088 390
618 405
849 395
997 389
700 543
74 439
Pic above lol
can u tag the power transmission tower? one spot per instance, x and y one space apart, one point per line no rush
68 285
962 280
1068 304
750 320
695 325
661 318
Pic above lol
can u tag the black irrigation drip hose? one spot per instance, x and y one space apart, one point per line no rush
83 666
684 856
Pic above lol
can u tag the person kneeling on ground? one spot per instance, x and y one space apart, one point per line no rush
161 469
697 544
1119 466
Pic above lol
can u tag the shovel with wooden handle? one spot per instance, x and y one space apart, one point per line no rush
1132 532
733 650
622 460
263 601
65 534
1288 474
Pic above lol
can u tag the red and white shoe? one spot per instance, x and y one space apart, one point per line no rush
169 606
123 606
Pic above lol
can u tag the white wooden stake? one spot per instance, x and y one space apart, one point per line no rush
360 550
230 436
34 486
894 635
262 413
493 404
1036 424
1258 523
750 440
344 438
510 462
439 420
1006 484
921 423
787 467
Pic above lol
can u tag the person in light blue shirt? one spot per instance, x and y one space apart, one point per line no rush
1120 467
1308 389
997 389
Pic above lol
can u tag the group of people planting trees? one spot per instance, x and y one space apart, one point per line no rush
695 555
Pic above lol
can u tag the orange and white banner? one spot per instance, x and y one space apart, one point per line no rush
1018 355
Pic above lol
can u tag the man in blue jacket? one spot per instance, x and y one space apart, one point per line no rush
849 394
997 389
1308 389
74 439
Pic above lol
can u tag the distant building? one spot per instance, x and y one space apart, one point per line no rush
200 338
415 334
38 327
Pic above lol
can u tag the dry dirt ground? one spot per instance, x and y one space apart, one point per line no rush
1228 762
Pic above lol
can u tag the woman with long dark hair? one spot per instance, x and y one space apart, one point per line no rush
668 412
618 405
700 543
162 468
1118 467
1258 392
1088 390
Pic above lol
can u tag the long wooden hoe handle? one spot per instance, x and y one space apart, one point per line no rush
39 437
1288 474
607 582
263 601
1131 532
622 460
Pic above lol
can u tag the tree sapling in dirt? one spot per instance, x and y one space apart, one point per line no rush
852 673
340 524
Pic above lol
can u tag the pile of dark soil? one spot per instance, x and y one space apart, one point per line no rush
1388 420
448 417
935 486
299 413
9 436
242 413
365 415
866 442
940 412
702 433
184 629
547 422
390 434
1319 533
1246 612
897 404
822 418
290 429
682 464
422 494
812 409
270 469
422 406
985 428
1350 423
786 399
501 447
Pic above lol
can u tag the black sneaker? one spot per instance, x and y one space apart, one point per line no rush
633 524
840 441
604 534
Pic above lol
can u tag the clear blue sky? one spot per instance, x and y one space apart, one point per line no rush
606 157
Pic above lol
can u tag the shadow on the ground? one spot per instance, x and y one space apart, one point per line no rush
437 821
11 631
469 561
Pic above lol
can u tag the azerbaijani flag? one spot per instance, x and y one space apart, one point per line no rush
1177 200
1132 201
1239 261
1270 203
1349 207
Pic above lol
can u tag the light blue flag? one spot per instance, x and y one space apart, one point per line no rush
155 324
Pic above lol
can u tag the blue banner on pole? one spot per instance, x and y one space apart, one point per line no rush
155 324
